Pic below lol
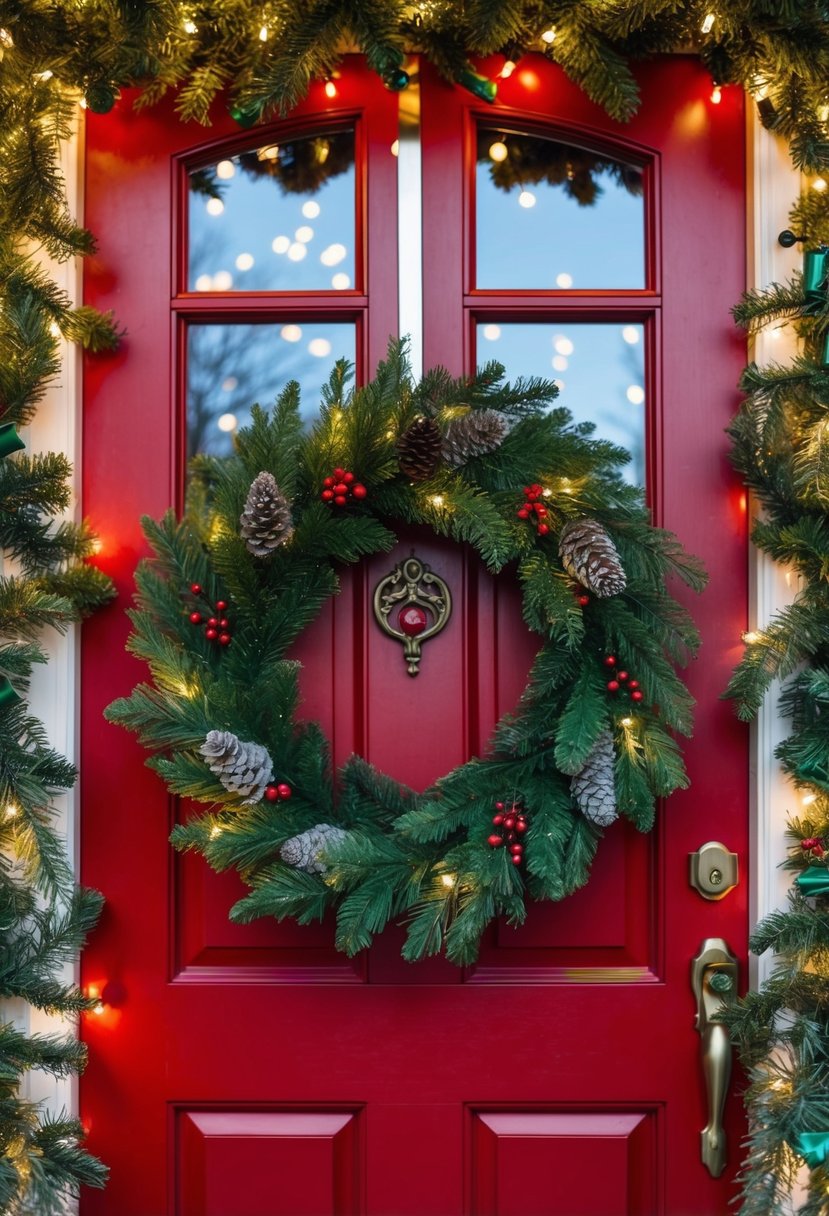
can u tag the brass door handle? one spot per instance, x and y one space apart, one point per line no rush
714 981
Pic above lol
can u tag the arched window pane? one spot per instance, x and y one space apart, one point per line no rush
556 217
279 217
599 368
231 367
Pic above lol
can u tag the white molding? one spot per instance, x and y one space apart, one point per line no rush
55 687
772 187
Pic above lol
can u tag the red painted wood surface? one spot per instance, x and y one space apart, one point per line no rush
253 1071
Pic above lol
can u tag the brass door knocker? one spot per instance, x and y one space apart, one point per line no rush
425 607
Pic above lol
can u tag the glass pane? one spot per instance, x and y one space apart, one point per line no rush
553 216
276 218
599 369
231 367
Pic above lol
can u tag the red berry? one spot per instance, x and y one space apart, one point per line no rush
328 482
348 478
497 820
516 849
584 600
271 793
610 661
521 825
809 842
494 841
516 859
327 495
633 684
621 675
527 491
213 622
195 588
817 851
284 790
539 508
499 806
224 623
341 488
509 823
340 500
358 490
211 634
195 618
613 686
221 606
339 474
636 696
225 639
543 529
523 513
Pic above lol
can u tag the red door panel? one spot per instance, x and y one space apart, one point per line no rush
266 1073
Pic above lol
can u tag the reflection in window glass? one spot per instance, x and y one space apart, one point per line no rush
231 367
276 218
599 369
553 216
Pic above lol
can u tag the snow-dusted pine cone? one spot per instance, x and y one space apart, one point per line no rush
593 788
303 851
589 555
243 768
266 522
473 434
418 449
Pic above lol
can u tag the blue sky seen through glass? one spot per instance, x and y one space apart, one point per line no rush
257 238
229 367
599 368
536 235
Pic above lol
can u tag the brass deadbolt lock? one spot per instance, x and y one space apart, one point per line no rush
714 870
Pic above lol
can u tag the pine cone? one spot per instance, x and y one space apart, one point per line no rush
589 555
418 449
303 851
266 522
474 434
593 788
242 768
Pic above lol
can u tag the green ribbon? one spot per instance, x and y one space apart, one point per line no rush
481 86
8 697
814 881
815 267
10 441
813 1147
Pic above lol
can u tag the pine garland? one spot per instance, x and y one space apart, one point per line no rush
779 445
216 720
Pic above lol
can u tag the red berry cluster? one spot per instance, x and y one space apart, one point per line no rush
278 793
534 509
813 846
216 624
512 822
341 486
621 681
582 598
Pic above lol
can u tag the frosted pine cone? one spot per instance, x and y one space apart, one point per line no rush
303 851
593 788
589 555
242 768
474 434
418 449
266 522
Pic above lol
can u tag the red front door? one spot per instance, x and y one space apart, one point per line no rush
252 1071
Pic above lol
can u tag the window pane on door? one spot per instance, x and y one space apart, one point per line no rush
231 367
599 369
552 216
279 217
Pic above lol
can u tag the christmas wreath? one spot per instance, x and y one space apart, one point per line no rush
254 558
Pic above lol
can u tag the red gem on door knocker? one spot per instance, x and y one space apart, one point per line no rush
426 605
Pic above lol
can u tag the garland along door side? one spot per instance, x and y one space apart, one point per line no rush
587 252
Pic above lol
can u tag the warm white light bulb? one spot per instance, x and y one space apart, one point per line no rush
190 27
635 394
526 199
319 348
708 23
340 281
549 35
330 89
297 251
630 334
332 255
290 333
448 880
310 210
263 33
819 184
214 206
244 261
227 422
281 244
507 70
564 280
225 169
498 151
304 234
716 95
